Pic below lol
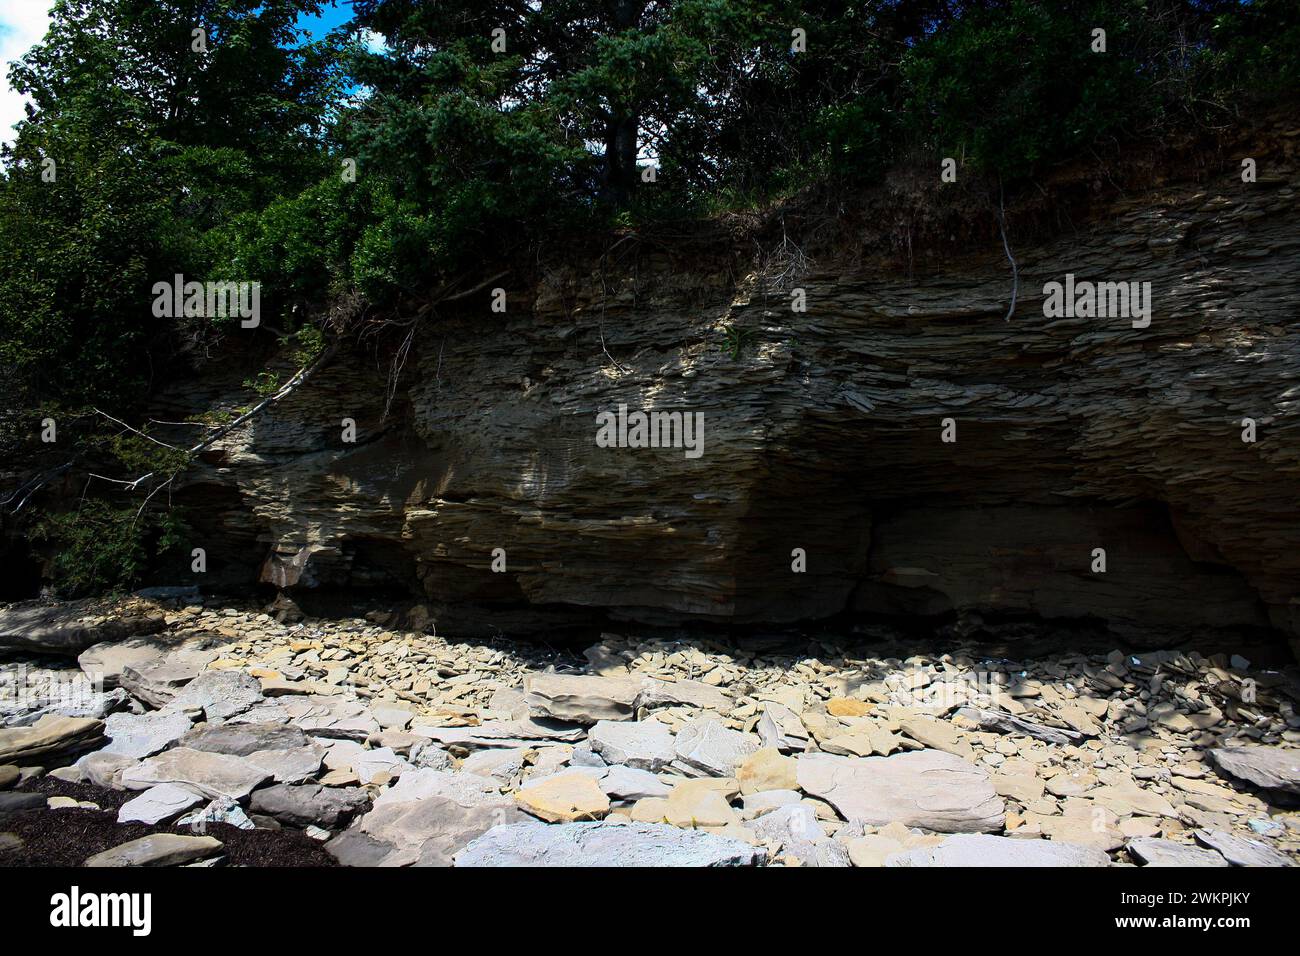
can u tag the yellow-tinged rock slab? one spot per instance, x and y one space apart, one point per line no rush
564 798
871 850
848 707
698 803
767 769
938 735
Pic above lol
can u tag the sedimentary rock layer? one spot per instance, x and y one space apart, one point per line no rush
822 432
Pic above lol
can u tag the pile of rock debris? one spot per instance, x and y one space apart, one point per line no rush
398 748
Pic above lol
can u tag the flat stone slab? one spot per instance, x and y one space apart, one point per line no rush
157 682
289 766
213 775
158 803
369 764
142 735
107 660
691 803
923 788
102 769
709 745
642 744
936 734
767 769
1129 798
765 800
691 693
564 797
325 716
1241 851
391 716
425 831
503 733
50 736
1153 851
503 763
982 849
14 801
468 789
219 694
628 783
309 804
242 739
1273 768
157 849
581 698
605 844
69 628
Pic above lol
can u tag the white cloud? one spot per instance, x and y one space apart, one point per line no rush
22 24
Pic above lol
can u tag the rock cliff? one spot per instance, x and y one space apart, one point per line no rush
823 431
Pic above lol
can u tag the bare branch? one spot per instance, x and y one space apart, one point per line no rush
395 373
28 488
469 292
288 387
118 421
148 497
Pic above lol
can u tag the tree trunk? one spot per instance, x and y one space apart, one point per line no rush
619 176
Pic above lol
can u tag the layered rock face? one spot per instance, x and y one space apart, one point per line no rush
823 431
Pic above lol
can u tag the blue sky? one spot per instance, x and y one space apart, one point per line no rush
337 14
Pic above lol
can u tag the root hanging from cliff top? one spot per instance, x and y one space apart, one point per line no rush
784 266
1015 271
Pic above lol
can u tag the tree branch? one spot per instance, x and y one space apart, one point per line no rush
287 388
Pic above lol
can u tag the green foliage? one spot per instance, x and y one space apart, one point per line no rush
139 456
266 383
1255 49
855 134
293 245
99 548
309 342
1017 85
734 339
227 165
154 146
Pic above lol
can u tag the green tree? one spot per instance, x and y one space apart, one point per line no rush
154 143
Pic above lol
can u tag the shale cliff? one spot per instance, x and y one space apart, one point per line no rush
823 431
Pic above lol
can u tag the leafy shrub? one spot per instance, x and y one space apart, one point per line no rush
100 548
1016 85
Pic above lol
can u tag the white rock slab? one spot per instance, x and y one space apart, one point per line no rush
158 804
982 849
605 844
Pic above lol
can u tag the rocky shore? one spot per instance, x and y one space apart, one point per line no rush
191 732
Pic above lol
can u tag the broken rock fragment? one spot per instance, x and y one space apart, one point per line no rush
580 698
924 788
